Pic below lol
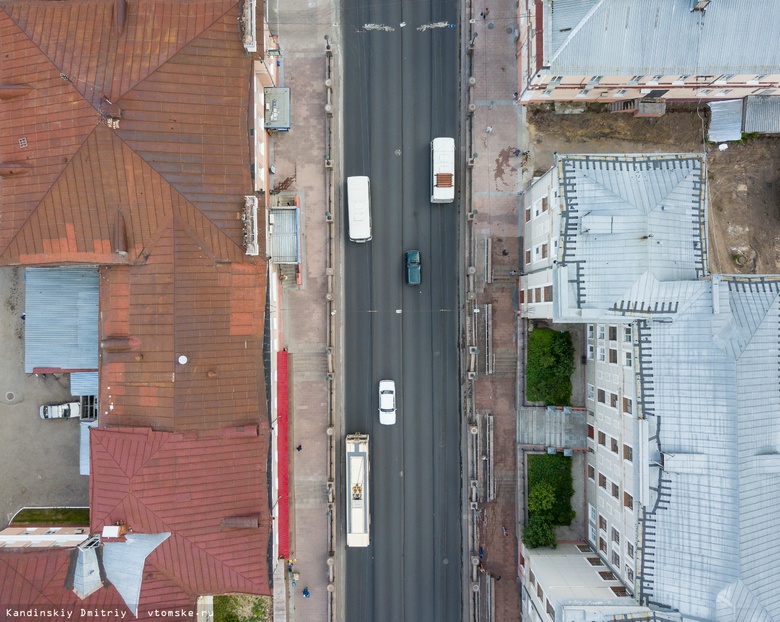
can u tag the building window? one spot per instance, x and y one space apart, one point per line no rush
602 396
628 405
528 214
550 610
591 431
537 252
628 453
590 331
627 358
528 256
613 445
602 545
548 293
591 472
634 80
627 334
630 550
613 400
601 332
629 574
620 93
602 523
590 351
538 294
532 577
591 392
539 592
613 356
602 439
595 561
544 251
603 481
628 501
615 490
583 548
602 354
615 536
613 333
545 206
619 590
616 559
607 575
591 533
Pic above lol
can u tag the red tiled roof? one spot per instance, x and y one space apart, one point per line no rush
35 579
187 484
180 76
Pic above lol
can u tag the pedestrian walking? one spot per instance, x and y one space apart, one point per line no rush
489 129
516 151
486 13
299 448
306 593
506 533
481 553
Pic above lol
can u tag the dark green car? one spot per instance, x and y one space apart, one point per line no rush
413 274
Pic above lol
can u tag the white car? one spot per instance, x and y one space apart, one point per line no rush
69 410
387 402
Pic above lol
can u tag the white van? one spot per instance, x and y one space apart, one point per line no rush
442 170
359 208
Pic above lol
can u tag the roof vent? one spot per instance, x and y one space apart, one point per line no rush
9 91
119 235
120 13
250 521
250 225
13 169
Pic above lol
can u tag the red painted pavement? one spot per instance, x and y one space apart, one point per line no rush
283 452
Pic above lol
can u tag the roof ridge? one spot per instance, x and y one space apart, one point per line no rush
575 31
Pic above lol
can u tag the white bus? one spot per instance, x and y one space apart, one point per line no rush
359 208
442 170
358 516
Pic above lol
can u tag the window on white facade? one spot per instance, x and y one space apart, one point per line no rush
630 550
628 334
627 358
613 400
628 405
602 354
592 534
601 332
613 356
591 330
628 501
591 391
590 351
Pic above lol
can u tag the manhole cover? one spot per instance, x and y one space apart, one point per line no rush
10 396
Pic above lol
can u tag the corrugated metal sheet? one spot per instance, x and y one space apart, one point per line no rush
725 121
664 37
61 329
762 114
284 236
84 383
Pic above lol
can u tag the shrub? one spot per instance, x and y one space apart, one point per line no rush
555 471
539 532
550 366
541 498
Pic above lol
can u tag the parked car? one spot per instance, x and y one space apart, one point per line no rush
413 269
387 402
68 410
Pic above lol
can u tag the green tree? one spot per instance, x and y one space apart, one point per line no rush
538 532
541 499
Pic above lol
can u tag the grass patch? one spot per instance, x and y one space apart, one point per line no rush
550 490
550 366
57 517
242 608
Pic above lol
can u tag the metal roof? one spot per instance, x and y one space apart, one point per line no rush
665 37
61 327
726 121
124 563
762 114
84 383
710 391
633 234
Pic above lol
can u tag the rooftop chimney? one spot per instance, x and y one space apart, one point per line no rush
13 169
119 235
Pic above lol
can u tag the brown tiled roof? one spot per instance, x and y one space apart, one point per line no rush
179 75
181 302
187 484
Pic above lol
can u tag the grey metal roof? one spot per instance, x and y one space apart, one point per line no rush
61 327
664 37
284 236
564 15
124 564
762 114
84 383
633 233
726 121
710 388
84 446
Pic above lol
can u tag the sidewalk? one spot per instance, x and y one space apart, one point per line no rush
497 181
299 163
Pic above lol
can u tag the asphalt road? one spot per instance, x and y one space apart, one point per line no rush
400 91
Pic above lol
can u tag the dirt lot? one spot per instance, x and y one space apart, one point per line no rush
744 180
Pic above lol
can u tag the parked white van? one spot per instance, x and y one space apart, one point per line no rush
359 208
